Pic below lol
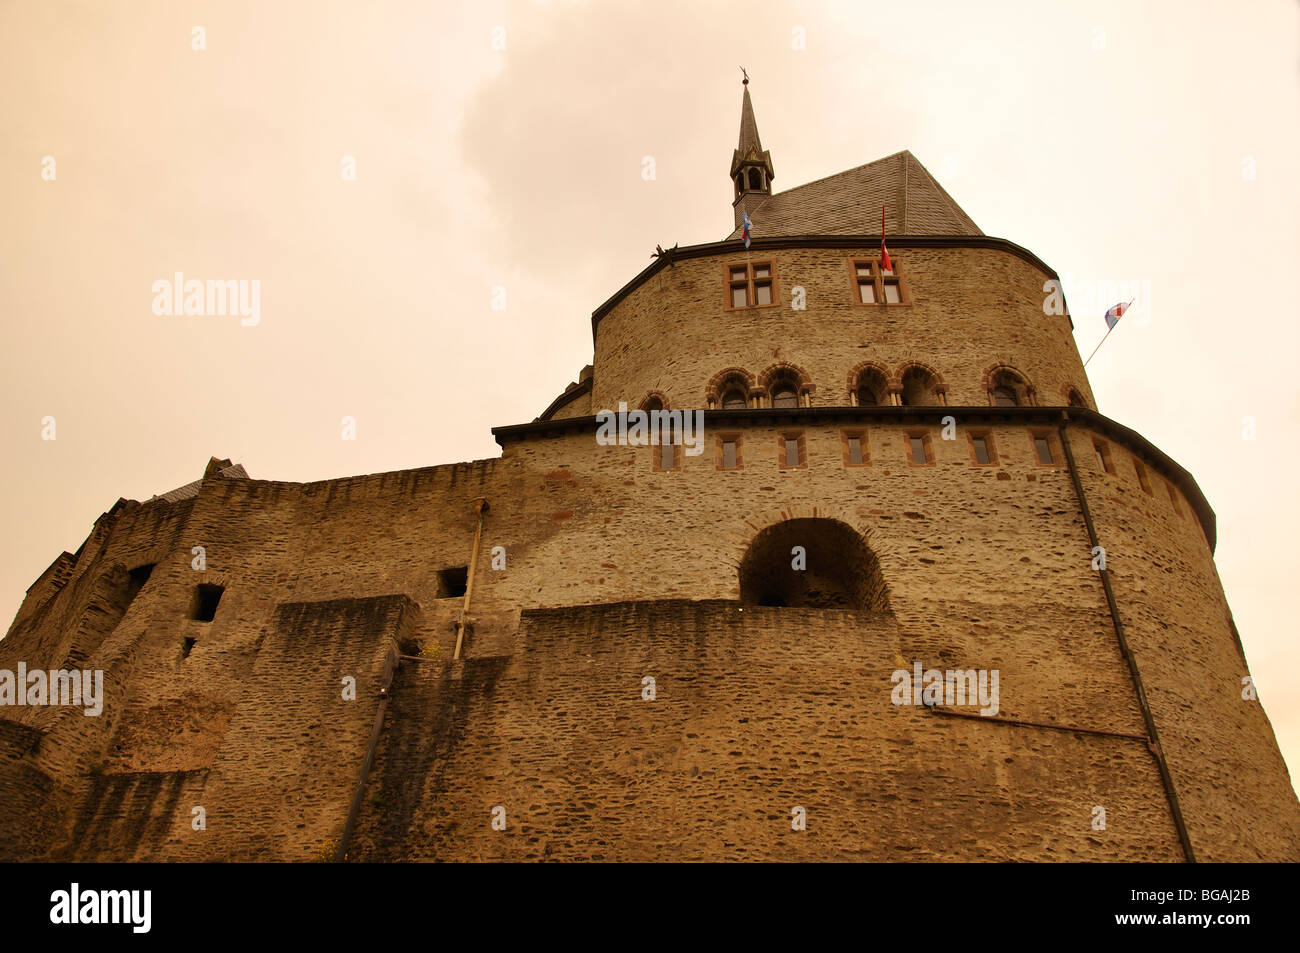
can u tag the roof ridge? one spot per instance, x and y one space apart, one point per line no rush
943 193
833 175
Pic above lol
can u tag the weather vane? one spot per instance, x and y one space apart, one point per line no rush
745 81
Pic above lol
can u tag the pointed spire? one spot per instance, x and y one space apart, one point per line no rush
749 151
751 165
748 125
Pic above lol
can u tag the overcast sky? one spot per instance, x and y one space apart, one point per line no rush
1155 143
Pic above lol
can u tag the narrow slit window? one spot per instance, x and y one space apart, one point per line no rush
791 451
1141 472
981 447
917 447
1103 456
206 601
1043 449
728 454
855 451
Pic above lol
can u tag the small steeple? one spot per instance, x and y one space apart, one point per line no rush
751 165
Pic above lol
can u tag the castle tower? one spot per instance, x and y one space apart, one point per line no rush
723 648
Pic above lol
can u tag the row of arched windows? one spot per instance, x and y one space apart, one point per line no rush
869 385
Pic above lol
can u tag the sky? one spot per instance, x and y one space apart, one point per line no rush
389 171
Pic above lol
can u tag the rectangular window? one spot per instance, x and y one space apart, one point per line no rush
1141 472
980 447
452 582
1043 448
751 285
206 601
919 450
874 284
854 445
1103 456
728 457
667 456
792 451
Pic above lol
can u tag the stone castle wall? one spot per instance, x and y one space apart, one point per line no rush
986 567
972 309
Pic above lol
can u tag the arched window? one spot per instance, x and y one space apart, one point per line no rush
785 396
755 179
871 388
1007 388
920 389
740 183
734 399
1075 399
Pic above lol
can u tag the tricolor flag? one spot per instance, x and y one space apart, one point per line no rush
1114 314
885 263
748 224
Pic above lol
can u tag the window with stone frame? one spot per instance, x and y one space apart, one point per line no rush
874 284
751 284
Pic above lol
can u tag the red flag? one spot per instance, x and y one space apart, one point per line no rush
885 263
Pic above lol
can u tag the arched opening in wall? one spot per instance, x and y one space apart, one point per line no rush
812 563
785 385
920 388
872 388
734 399
740 183
755 179
653 402
1074 398
785 396
1008 389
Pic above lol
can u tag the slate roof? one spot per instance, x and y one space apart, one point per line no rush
848 203
191 490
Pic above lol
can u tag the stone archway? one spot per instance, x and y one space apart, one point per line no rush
839 570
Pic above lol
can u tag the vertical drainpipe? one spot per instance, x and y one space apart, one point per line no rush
377 726
1153 739
480 507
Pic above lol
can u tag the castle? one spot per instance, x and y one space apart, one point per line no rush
620 649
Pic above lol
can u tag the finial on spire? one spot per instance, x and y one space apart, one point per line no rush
745 81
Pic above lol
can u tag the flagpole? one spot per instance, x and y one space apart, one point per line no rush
1101 342
1109 328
